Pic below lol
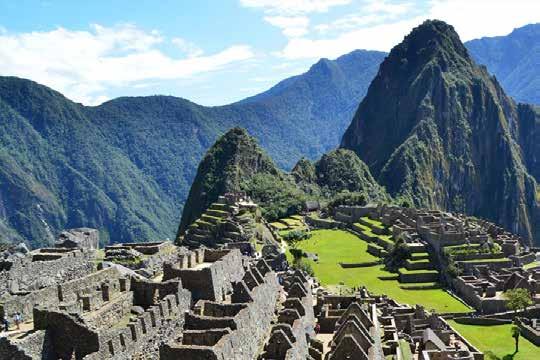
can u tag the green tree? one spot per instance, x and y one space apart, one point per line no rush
515 334
304 266
518 299
397 255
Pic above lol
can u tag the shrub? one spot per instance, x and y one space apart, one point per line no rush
304 266
518 299
397 255
347 198
296 235
296 253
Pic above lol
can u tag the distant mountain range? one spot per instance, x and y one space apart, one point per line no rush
126 166
514 59
435 130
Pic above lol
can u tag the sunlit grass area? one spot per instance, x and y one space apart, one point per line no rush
498 340
335 246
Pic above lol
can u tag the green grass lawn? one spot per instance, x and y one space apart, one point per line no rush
486 260
407 271
532 265
373 223
335 246
291 222
497 339
278 225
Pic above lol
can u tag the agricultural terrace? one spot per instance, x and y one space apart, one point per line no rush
335 246
499 341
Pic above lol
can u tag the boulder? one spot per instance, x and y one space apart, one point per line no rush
82 238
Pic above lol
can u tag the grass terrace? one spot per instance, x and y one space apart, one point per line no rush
419 256
532 265
279 226
335 246
373 223
486 260
499 341
366 230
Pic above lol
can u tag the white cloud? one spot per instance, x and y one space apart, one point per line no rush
474 19
294 6
290 15
372 13
190 49
380 37
292 26
381 25
84 64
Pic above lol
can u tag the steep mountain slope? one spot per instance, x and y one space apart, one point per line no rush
529 137
436 128
232 161
237 163
58 170
514 59
126 166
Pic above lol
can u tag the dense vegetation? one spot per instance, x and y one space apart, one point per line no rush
437 131
237 163
126 167
514 60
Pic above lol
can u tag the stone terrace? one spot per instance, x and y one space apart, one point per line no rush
235 330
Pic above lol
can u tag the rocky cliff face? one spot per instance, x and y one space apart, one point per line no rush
529 137
436 128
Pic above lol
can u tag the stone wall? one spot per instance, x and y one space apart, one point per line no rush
35 345
528 331
290 337
238 335
27 273
83 238
54 295
212 279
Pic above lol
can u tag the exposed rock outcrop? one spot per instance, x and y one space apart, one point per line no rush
436 128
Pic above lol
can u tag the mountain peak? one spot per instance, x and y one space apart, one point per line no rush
428 125
234 157
432 40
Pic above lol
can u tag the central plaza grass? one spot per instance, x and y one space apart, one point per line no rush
335 246
498 340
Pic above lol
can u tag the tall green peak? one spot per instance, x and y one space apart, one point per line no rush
341 169
436 128
233 159
304 171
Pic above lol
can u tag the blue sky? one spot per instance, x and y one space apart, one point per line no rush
214 52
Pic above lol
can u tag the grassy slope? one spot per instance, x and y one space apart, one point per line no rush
334 246
499 341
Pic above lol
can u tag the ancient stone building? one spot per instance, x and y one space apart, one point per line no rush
220 299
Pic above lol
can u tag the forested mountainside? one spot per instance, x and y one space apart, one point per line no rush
236 162
514 59
436 128
126 166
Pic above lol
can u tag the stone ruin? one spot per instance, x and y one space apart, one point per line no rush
484 288
365 327
216 301
486 256
146 259
82 238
